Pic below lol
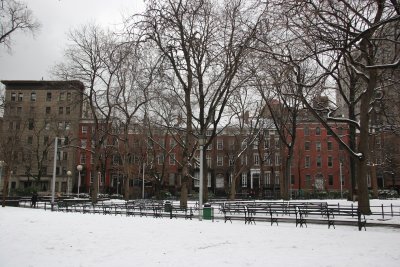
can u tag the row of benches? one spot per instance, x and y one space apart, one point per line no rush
298 213
155 210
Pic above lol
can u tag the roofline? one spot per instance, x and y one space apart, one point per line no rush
41 82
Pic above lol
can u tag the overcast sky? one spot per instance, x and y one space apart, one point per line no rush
32 57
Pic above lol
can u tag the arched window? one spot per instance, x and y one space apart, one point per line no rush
317 131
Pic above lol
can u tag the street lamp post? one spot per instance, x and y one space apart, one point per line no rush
79 169
201 146
53 180
2 163
69 173
144 166
341 179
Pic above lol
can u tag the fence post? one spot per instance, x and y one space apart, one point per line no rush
383 213
391 208
352 210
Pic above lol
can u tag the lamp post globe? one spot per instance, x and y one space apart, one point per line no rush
79 169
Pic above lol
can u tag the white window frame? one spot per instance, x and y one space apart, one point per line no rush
220 144
267 181
244 179
220 161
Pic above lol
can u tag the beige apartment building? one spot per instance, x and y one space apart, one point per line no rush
36 113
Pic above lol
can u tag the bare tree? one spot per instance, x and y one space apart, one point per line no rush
15 16
204 43
94 57
330 32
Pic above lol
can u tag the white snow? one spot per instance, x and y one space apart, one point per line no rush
34 237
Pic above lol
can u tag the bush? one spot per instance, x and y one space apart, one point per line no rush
23 192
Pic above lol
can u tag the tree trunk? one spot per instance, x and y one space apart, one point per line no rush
374 182
5 184
184 193
363 194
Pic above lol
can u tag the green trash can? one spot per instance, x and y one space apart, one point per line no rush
208 212
167 206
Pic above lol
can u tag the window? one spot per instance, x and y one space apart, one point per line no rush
318 146
307 162
330 179
308 181
231 160
62 96
267 159
33 96
196 179
209 161
61 125
48 110
292 179
115 160
30 140
243 159
32 110
266 143
209 179
160 159
67 125
60 110
277 180
171 179
330 145
220 160
220 144
209 132
277 160
67 110
13 97
172 143
330 161
83 143
68 96
47 125
48 97
84 129
219 181
268 178
277 143
256 159
19 110
172 159
83 158
44 170
20 96
255 144
244 179
31 124
317 131
306 146
319 161
306 130
17 125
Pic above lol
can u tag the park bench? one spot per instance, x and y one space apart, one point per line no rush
300 217
248 216
273 218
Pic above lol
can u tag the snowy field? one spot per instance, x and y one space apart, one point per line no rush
34 237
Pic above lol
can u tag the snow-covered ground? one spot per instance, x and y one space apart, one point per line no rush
34 237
